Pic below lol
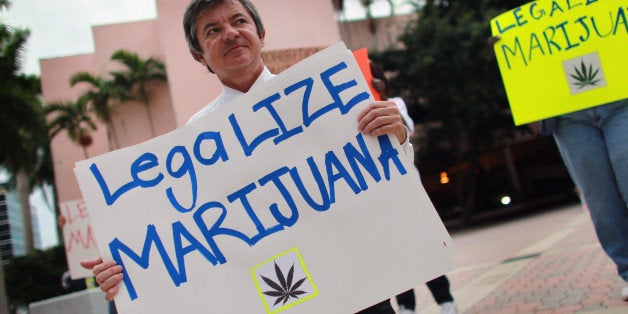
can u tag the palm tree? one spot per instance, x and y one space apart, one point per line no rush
74 119
101 95
4 4
13 98
138 76
19 118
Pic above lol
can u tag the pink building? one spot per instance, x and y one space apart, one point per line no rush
296 30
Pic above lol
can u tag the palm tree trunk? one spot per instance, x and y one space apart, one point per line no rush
112 137
150 121
23 191
145 102
109 138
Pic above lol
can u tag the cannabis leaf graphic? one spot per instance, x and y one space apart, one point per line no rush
284 290
585 76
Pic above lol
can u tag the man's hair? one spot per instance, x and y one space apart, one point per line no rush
378 72
196 8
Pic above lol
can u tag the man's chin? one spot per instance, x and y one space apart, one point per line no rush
239 63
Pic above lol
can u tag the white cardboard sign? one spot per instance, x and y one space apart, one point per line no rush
77 237
273 203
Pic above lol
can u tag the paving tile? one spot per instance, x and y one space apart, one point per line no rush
564 268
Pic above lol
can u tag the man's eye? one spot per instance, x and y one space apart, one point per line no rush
213 30
241 21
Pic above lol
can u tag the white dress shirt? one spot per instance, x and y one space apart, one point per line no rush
229 94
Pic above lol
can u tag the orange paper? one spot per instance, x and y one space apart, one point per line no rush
362 57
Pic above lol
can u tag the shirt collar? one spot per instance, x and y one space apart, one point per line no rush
230 94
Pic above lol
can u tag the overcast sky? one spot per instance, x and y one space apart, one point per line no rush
63 27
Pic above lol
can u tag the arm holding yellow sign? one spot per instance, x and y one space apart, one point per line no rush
226 36
558 67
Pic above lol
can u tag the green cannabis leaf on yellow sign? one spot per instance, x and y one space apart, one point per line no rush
284 289
585 75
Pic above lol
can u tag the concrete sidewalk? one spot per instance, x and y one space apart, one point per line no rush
549 262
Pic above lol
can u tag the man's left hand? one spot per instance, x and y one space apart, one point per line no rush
382 117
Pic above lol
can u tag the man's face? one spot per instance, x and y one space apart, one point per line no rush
228 39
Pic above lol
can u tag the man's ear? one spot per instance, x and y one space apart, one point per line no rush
261 38
199 58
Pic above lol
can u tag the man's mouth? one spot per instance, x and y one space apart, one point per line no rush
233 48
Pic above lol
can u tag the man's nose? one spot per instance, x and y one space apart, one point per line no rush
230 33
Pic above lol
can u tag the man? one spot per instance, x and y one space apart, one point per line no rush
227 37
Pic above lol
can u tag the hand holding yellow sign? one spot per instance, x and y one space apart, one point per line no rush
561 56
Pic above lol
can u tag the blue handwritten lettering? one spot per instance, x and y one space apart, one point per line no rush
268 134
186 167
536 14
219 154
275 177
555 7
318 178
285 133
335 172
621 19
116 246
356 155
110 198
389 153
242 196
364 159
179 231
570 45
518 17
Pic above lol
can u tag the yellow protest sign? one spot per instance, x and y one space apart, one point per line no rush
560 56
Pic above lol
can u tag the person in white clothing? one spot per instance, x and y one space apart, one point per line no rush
439 286
227 37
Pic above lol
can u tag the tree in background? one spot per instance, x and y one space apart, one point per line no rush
24 146
452 85
101 97
36 276
74 119
132 83
137 77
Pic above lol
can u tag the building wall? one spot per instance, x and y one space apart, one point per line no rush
376 35
55 78
131 121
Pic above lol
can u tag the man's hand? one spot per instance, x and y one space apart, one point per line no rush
382 117
491 43
108 275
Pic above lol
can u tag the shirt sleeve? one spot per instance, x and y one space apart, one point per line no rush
403 110
407 147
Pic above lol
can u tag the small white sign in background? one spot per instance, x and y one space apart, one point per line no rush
78 238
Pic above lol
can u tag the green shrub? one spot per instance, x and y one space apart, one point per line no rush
36 276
